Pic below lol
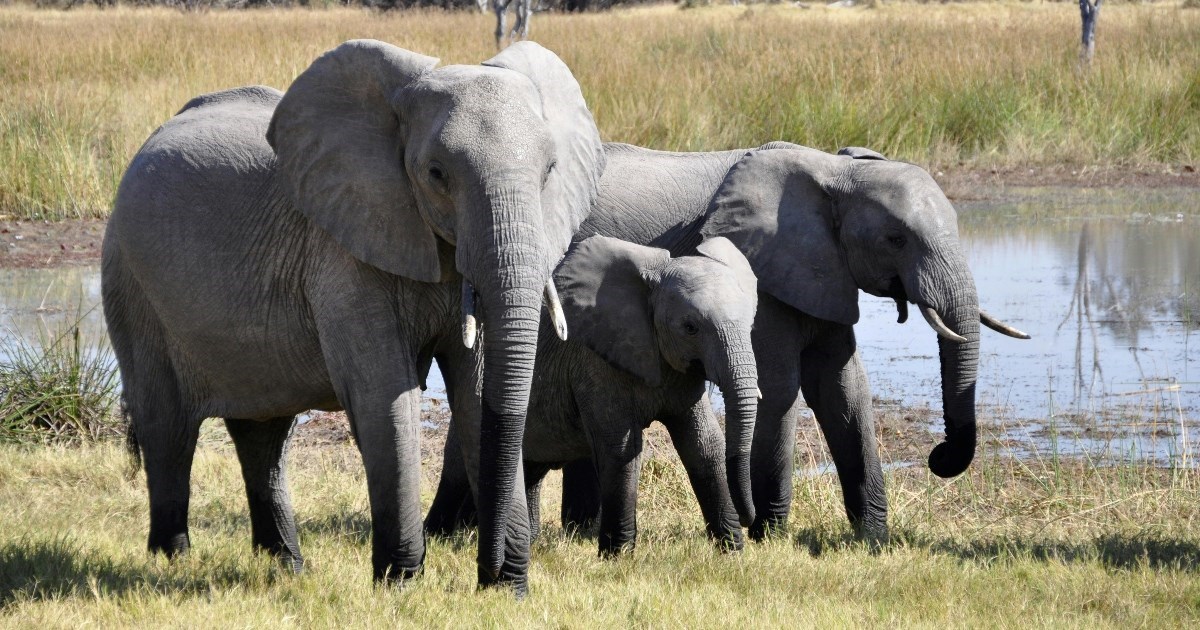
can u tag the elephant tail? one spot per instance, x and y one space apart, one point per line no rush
132 448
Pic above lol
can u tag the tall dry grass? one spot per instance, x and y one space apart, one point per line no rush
978 85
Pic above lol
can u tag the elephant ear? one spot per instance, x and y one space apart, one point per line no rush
579 160
337 138
774 207
602 283
719 248
860 153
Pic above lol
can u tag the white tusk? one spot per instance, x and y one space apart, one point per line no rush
758 392
936 324
469 325
555 307
1000 327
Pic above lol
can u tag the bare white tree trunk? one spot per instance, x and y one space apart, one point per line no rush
1089 11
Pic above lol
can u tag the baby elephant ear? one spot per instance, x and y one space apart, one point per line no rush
721 250
860 153
579 156
602 285
337 138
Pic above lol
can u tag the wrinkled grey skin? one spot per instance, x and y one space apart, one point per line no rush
816 228
647 331
269 254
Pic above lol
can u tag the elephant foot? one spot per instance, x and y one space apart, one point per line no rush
874 535
611 548
171 546
768 527
291 562
730 542
394 574
517 581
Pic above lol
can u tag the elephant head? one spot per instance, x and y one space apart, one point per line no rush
818 227
644 312
432 173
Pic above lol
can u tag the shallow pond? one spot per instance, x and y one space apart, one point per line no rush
1112 302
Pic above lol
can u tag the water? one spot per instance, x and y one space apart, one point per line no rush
1112 302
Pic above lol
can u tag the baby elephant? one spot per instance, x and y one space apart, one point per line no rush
647 331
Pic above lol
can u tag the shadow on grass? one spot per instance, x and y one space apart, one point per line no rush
39 570
1114 551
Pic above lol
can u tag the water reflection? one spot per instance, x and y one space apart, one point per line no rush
1113 304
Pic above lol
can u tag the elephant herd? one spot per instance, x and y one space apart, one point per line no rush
319 248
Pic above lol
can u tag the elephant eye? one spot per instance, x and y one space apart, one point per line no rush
436 173
897 240
690 329
546 176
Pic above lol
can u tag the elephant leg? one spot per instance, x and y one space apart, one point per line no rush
453 507
618 457
701 446
535 473
262 447
462 369
772 463
580 496
168 442
835 387
385 414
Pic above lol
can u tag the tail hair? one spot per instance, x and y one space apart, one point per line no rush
132 448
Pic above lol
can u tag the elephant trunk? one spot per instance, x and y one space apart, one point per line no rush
510 276
739 387
957 307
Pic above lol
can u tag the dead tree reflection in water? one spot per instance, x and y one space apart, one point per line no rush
1081 308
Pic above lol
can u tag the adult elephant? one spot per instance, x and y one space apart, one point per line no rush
816 228
271 253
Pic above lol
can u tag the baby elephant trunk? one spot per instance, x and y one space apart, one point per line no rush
739 387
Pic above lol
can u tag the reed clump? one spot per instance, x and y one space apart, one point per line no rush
979 85
57 389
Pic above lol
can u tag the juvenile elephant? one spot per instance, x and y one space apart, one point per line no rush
647 331
816 228
271 253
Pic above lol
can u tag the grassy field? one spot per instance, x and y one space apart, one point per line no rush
978 85
1010 544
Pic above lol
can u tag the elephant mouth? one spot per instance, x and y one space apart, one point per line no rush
895 290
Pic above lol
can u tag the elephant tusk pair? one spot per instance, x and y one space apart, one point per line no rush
470 325
1000 327
940 327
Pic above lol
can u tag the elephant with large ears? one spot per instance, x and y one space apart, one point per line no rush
816 228
271 253
647 331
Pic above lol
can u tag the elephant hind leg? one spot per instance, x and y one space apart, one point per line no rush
167 438
535 472
162 427
262 447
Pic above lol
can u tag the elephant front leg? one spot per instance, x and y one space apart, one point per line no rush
835 386
619 460
701 446
580 496
535 473
387 429
262 447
